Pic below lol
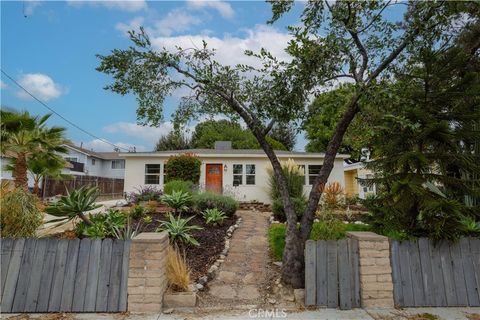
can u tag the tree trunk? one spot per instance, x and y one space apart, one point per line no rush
328 162
293 265
87 221
20 172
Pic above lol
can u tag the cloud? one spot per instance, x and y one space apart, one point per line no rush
3 85
101 146
29 6
224 8
148 134
134 24
40 85
229 49
177 20
124 5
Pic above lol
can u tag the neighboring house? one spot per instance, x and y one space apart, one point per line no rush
353 187
236 172
99 164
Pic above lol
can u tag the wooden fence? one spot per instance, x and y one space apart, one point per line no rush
436 274
108 187
331 274
53 275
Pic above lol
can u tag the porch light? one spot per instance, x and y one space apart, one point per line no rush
225 168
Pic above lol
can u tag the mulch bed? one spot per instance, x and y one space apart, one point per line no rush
211 239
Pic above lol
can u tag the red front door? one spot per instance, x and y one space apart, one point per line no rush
214 178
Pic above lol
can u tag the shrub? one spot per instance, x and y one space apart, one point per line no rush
211 200
178 230
178 185
178 200
295 177
74 205
137 211
299 205
151 206
332 194
145 193
103 225
127 231
184 167
178 273
213 216
323 230
19 214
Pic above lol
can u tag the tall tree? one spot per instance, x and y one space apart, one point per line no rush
424 143
343 39
174 140
286 134
24 137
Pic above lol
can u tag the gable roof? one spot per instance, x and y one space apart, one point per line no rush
248 153
100 155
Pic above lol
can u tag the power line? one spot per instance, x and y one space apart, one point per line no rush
58 114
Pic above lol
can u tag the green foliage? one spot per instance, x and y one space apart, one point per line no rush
25 137
295 177
211 200
276 240
145 193
178 185
213 216
127 231
104 225
178 230
178 200
74 205
299 205
331 229
137 211
173 141
184 167
19 214
207 132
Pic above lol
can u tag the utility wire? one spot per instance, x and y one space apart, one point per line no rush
58 114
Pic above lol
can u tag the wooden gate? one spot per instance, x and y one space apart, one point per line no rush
53 275
331 274
440 274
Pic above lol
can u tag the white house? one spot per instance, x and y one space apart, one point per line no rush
99 164
353 186
236 172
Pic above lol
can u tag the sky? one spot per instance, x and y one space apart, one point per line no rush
50 48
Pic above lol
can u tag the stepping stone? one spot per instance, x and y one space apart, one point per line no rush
222 291
228 277
249 292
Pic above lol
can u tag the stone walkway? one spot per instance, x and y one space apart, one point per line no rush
240 278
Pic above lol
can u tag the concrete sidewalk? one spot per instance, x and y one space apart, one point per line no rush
320 314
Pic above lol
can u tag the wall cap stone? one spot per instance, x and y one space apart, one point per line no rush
151 237
366 236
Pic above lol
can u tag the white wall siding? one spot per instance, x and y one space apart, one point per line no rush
135 174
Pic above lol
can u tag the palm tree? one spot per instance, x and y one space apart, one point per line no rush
24 137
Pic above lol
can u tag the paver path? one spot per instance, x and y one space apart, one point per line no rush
244 271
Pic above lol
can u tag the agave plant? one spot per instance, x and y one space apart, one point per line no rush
74 205
179 230
177 200
213 216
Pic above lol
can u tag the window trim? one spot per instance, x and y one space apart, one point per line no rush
159 174
250 175
314 174
237 174
113 161
73 159
243 175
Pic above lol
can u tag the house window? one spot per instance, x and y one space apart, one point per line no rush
250 174
93 162
152 174
313 171
237 174
118 164
73 159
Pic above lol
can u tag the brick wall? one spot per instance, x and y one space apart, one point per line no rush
147 280
376 285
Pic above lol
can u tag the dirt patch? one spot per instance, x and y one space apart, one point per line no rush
211 239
